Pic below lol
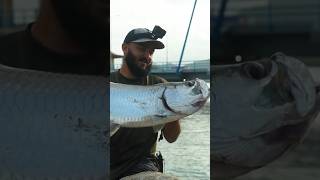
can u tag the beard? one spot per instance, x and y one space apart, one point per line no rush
84 21
137 71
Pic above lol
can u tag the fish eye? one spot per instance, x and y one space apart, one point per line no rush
255 70
190 83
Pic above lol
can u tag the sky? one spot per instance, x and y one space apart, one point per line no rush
25 10
171 15
25 4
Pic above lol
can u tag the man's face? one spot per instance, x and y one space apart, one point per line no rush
139 59
85 21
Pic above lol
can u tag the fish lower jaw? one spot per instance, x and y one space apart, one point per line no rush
199 103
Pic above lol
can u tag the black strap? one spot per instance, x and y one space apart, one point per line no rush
160 161
161 136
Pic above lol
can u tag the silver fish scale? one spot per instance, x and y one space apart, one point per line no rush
142 106
53 126
11 176
140 102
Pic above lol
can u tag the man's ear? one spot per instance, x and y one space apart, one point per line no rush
125 48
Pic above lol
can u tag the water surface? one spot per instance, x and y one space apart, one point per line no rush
189 157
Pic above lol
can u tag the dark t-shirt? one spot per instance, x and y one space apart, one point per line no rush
21 50
129 145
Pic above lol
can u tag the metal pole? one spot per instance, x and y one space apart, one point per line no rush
270 23
185 40
219 22
167 50
6 13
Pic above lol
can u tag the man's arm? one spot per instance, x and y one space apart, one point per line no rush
171 131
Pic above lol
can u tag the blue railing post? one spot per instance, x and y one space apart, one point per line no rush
270 23
194 67
6 13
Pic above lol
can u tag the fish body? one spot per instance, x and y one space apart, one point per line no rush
261 109
142 106
53 126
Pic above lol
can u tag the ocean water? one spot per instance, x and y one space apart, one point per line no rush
189 157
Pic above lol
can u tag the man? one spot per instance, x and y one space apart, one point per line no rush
67 37
132 150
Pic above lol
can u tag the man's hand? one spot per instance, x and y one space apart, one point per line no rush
171 131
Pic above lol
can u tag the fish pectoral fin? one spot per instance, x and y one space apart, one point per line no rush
160 115
113 128
158 127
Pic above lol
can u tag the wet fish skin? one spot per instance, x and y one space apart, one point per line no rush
142 106
150 175
273 103
53 126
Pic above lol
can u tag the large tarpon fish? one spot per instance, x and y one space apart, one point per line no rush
261 109
142 106
55 126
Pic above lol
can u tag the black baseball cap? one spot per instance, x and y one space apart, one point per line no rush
147 37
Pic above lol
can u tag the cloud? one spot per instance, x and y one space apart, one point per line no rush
172 15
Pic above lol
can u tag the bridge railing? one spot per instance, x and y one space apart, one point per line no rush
19 17
169 67
24 16
270 15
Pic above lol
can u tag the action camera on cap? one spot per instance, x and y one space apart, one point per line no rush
158 32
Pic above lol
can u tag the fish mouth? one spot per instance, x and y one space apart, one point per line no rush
200 103
204 94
